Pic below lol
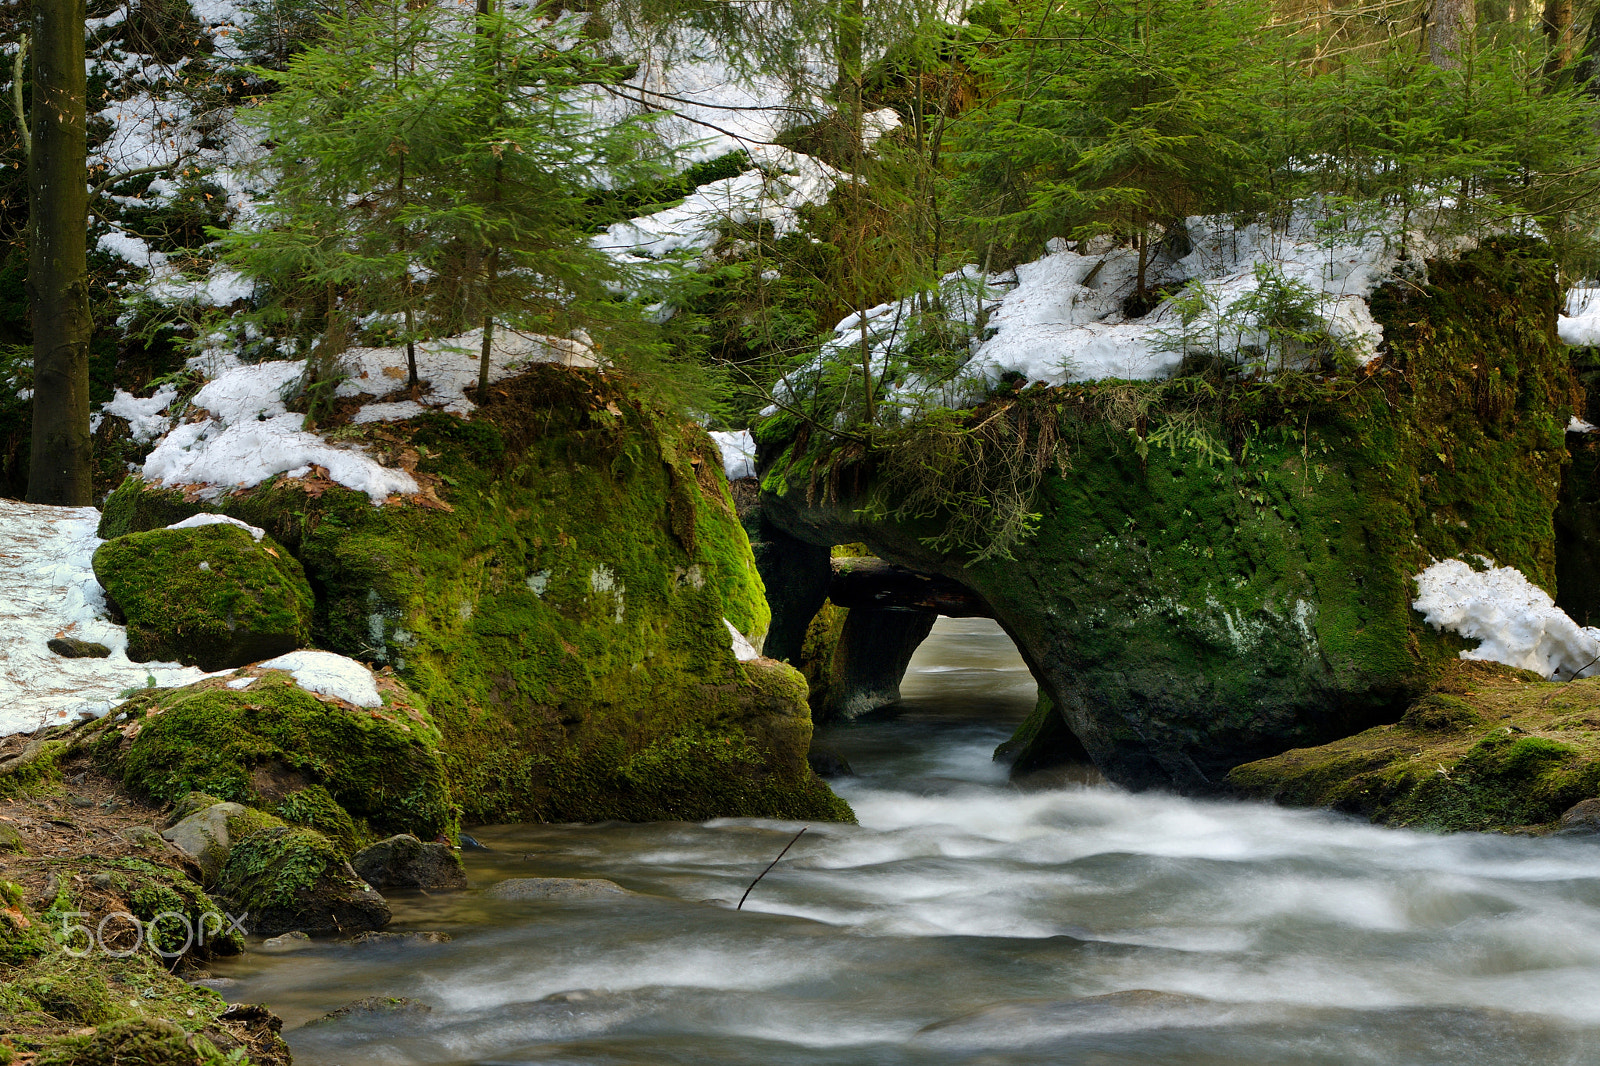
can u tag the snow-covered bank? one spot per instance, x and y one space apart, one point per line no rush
48 589
1517 622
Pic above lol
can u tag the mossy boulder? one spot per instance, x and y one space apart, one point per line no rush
382 765
556 602
135 1042
1186 611
1493 749
211 596
289 878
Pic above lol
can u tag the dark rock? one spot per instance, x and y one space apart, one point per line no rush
1581 819
73 648
290 878
403 861
875 647
210 596
471 844
523 889
828 763
373 1007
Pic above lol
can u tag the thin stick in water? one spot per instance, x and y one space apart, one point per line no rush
768 870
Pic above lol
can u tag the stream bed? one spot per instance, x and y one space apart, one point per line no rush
971 920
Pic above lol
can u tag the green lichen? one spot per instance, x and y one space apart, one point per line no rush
381 764
210 597
558 611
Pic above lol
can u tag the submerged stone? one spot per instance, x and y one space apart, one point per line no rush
524 889
73 648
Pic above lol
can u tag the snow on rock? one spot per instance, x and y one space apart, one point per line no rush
1580 326
743 650
250 437
196 521
146 417
328 674
773 191
48 589
738 450
1517 623
448 367
1578 425
1060 318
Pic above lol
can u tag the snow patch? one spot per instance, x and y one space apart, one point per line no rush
738 450
328 674
1517 623
1578 425
1580 326
146 417
743 650
48 589
251 437
196 521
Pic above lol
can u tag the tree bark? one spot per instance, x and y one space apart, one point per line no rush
1451 24
1589 63
58 268
1556 22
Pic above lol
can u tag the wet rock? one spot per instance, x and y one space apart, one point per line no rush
289 877
208 596
373 1007
391 939
1581 819
523 889
282 945
403 861
204 837
73 648
472 844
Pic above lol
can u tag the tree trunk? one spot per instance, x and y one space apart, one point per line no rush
1556 22
1451 24
58 269
1589 64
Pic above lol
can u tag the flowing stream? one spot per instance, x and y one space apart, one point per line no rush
969 920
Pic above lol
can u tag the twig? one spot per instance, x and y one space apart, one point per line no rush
768 870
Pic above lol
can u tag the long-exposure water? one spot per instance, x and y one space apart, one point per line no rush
968 919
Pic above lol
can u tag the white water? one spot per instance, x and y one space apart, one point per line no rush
967 920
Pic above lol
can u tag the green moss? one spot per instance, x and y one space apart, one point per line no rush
20 935
136 1042
1502 753
313 806
558 612
273 868
211 596
381 764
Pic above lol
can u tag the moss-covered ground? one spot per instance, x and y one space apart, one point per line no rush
1490 748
